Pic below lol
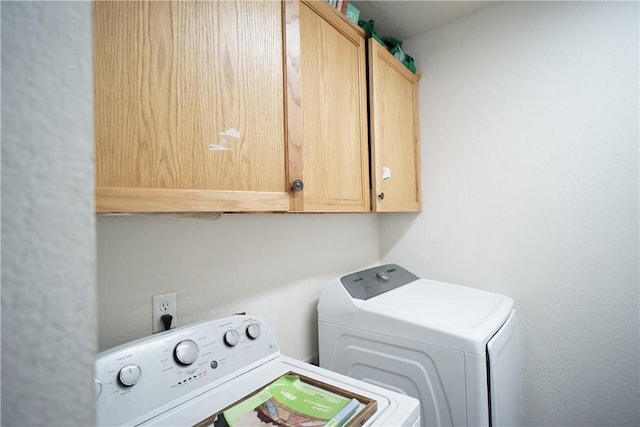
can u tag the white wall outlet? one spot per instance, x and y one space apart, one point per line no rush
163 304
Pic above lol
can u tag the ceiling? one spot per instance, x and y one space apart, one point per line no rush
403 19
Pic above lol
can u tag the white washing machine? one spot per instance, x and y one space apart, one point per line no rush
197 374
454 348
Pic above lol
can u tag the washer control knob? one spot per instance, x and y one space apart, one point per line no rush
98 388
129 375
253 331
231 337
186 352
382 275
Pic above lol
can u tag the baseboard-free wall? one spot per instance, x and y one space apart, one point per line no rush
529 130
48 229
270 266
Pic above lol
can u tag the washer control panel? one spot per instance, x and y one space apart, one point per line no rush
136 380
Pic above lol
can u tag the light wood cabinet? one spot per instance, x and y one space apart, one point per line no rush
395 146
224 105
189 106
329 151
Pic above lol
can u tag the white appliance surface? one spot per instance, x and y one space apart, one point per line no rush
183 376
427 304
504 375
427 339
423 310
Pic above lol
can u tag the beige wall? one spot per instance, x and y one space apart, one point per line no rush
271 266
529 126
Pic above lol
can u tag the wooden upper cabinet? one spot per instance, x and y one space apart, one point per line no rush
328 148
395 149
224 105
189 106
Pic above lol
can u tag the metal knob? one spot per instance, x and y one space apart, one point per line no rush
381 196
297 185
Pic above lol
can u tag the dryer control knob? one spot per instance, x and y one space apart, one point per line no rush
231 337
253 331
382 275
129 375
186 352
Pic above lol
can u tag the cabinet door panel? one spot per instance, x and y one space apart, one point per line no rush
189 96
395 145
335 147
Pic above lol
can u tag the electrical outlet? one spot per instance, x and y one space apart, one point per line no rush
163 304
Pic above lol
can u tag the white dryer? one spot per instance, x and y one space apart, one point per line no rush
454 348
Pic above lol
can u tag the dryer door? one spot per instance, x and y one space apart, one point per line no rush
505 380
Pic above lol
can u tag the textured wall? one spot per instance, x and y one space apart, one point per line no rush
271 266
529 126
48 237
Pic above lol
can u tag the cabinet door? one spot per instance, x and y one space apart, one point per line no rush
331 156
395 160
189 106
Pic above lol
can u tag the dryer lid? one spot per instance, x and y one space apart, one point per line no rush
449 315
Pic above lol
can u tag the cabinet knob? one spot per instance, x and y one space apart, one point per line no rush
297 185
381 196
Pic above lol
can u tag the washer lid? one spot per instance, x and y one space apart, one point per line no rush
393 409
441 313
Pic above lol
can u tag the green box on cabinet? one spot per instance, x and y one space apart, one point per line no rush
353 14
